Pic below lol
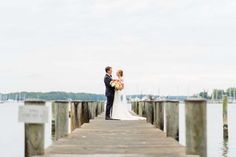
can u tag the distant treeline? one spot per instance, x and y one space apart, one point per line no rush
218 94
52 96
58 95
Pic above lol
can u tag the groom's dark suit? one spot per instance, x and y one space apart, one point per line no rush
110 92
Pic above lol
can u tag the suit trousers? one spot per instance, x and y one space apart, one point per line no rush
110 100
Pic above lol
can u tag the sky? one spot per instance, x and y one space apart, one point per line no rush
166 47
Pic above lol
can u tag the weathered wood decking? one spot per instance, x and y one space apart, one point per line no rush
102 138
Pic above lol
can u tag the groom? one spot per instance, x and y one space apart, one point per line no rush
110 92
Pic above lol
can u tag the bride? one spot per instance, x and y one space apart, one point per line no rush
120 108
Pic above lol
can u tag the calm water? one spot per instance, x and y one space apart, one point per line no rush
12 136
217 147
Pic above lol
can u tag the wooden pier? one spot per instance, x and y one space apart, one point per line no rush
93 136
116 138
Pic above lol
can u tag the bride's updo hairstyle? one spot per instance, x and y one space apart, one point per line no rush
120 73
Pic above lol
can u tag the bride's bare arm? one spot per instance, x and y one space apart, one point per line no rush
123 84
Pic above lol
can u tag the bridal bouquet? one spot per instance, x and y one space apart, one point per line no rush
117 84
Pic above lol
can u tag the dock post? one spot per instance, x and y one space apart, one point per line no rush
85 115
137 107
103 107
141 110
95 109
225 117
159 115
100 106
134 106
172 119
75 114
34 134
79 120
196 127
149 111
91 109
62 119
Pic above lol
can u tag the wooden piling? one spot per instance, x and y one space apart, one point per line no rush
100 106
62 119
225 117
172 119
196 127
53 121
103 107
85 115
159 115
34 134
72 121
83 111
135 107
141 110
94 107
149 111
74 115
91 109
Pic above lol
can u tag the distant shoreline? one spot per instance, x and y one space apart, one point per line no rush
61 95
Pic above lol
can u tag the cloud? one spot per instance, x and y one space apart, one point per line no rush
167 45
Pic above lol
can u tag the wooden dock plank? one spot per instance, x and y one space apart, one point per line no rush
115 138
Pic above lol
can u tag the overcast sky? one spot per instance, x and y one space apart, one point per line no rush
168 46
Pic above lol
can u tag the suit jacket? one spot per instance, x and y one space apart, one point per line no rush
110 91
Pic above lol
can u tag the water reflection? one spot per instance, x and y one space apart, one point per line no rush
216 145
225 148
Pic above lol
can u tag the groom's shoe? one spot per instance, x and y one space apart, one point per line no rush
108 118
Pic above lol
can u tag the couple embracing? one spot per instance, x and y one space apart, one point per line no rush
116 109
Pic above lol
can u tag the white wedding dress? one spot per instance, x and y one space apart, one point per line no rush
121 109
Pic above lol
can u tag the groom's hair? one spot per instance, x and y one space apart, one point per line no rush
107 68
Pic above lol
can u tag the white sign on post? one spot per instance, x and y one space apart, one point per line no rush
33 114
